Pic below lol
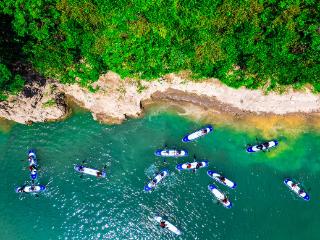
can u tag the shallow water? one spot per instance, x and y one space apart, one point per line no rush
118 208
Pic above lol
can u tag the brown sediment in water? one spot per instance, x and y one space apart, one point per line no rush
6 125
267 125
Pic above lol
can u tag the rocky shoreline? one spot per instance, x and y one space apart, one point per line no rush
116 100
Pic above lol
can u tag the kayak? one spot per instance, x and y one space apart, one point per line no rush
32 158
296 189
221 179
156 180
199 133
168 225
171 153
90 171
31 189
220 196
191 166
263 146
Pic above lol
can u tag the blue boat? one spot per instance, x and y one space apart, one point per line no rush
156 180
294 187
192 166
31 189
263 146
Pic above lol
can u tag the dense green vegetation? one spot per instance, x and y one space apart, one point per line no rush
10 54
270 42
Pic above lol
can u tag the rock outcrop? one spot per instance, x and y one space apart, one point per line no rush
39 101
116 99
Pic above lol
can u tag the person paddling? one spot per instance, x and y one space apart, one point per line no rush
163 224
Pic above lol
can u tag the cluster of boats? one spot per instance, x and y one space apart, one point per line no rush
217 177
158 178
33 168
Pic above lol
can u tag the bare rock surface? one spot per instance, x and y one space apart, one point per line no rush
116 99
39 101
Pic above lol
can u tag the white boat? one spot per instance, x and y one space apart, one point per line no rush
156 180
294 187
199 133
193 165
263 146
171 153
90 171
220 196
168 225
221 179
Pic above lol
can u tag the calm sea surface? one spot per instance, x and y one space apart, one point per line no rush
118 208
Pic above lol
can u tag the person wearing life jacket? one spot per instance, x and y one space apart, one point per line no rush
163 224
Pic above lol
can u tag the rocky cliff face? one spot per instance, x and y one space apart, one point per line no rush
116 99
39 101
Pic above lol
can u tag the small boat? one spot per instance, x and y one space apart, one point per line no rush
33 164
167 225
220 196
156 180
263 146
171 153
221 179
193 165
90 171
294 187
199 133
31 189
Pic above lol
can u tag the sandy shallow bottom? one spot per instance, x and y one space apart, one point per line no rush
267 124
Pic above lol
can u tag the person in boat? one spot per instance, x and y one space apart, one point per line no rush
301 191
163 224
199 164
99 174
294 185
32 167
154 182
32 188
189 165
204 131
266 144
21 189
260 146
225 200
178 152
222 178
81 168
162 174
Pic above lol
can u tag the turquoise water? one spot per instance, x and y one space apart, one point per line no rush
118 208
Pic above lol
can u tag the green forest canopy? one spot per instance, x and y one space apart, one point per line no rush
273 42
